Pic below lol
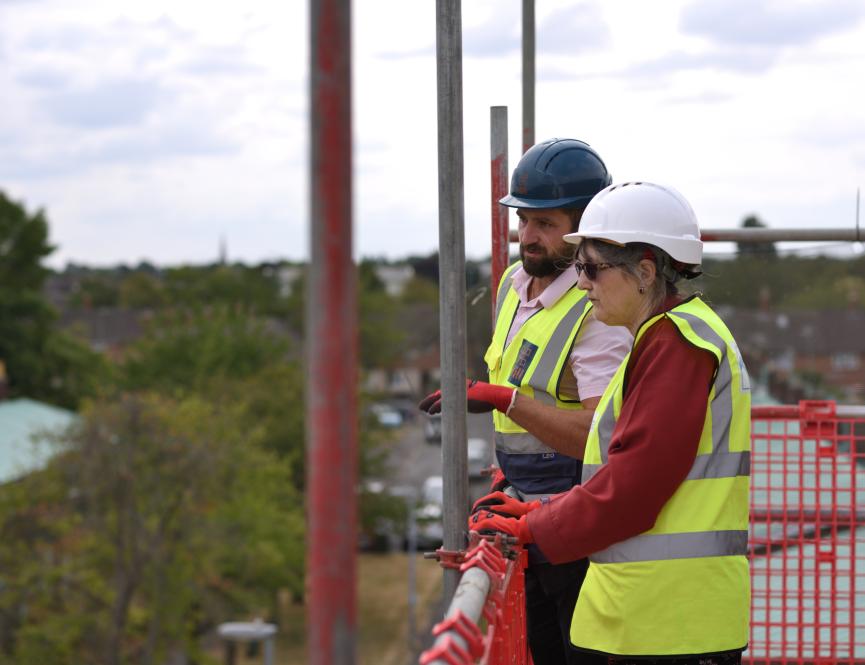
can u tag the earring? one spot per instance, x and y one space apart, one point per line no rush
642 289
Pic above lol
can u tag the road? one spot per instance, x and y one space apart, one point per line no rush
413 459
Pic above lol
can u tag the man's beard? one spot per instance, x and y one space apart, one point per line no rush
546 265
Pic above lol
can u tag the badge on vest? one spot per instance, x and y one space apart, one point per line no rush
524 359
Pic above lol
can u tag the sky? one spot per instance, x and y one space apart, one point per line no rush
155 131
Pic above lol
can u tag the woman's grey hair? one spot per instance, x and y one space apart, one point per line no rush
628 257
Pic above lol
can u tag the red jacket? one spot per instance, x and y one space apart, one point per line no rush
651 452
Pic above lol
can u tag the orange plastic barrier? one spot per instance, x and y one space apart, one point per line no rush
459 639
807 545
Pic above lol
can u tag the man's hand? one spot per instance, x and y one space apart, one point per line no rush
480 397
503 504
488 524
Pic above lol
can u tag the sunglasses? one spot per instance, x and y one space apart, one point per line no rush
592 269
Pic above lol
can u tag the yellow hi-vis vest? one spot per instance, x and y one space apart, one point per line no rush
533 362
682 587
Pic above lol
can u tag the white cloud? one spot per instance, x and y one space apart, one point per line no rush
150 130
573 29
774 23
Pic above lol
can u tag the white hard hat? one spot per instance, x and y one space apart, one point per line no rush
643 212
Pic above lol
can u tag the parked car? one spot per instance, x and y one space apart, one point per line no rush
479 456
432 428
387 415
430 531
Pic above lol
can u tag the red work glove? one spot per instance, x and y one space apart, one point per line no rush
498 482
481 398
502 504
488 524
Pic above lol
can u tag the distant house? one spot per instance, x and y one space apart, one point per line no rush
107 329
416 371
26 427
825 344
394 277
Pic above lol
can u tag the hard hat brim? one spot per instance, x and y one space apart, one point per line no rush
572 202
686 250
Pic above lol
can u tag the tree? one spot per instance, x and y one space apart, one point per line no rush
761 249
41 361
157 520
189 350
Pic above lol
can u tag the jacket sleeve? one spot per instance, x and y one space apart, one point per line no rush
653 447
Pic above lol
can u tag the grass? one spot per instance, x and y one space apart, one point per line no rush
383 613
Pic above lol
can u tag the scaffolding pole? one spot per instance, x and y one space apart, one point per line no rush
528 74
498 189
452 283
331 345
757 235
754 234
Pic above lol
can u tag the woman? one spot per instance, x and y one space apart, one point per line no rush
663 509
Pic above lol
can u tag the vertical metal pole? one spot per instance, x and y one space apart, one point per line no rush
498 188
857 214
452 283
331 344
411 552
528 74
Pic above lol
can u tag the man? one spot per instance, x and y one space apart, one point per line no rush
549 363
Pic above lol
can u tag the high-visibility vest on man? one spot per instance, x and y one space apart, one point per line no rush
683 586
533 362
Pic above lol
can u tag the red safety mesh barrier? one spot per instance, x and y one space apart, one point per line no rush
807 544
807 535
493 631
506 640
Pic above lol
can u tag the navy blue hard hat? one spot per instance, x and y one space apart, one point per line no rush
558 173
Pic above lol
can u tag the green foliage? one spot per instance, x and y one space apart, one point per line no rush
142 290
193 287
96 291
178 519
270 402
380 338
41 362
23 246
420 291
788 282
187 350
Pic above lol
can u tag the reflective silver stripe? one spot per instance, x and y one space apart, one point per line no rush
520 443
504 288
722 403
532 497
721 465
663 547
606 425
549 359
589 470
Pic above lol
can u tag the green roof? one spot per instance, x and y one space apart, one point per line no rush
25 428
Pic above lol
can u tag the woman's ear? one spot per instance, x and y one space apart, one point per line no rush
648 271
